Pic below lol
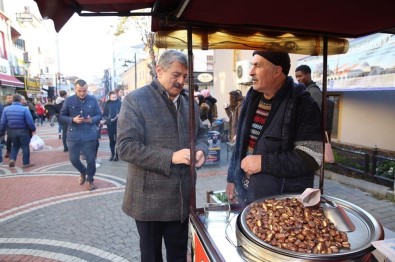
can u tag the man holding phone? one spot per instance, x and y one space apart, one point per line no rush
81 112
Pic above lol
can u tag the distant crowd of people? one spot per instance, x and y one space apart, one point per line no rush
80 120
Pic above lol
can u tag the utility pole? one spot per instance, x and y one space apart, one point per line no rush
135 71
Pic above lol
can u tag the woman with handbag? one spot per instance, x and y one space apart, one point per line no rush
110 115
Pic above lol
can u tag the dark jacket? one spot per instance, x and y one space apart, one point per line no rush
150 129
315 93
290 144
212 113
50 109
111 110
74 106
16 116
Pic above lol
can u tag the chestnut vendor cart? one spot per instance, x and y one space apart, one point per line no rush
305 27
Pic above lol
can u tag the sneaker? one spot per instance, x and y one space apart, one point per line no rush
98 165
82 179
98 160
91 186
28 165
11 163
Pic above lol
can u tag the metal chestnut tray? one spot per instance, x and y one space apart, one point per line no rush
368 229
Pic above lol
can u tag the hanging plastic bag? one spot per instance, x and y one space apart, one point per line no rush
36 143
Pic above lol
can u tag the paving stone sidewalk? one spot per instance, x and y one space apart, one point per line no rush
46 216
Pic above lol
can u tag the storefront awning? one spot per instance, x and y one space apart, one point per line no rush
7 80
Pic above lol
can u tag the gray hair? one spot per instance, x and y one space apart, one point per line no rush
170 56
16 98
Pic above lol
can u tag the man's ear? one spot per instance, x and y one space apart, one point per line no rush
159 70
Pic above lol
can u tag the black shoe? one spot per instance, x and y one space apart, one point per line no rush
60 136
91 186
11 163
116 158
111 158
66 150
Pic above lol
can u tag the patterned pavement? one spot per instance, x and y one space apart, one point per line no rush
45 215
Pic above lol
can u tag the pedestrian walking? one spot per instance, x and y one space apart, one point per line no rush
50 112
18 122
40 110
62 128
8 102
81 112
1 135
110 115
153 137
212 113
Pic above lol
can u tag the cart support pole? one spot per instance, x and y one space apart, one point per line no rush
324 110
192 125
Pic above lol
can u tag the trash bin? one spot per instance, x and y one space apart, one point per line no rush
214 148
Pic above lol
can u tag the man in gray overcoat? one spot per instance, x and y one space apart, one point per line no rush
154 138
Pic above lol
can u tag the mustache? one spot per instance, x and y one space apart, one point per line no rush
178 85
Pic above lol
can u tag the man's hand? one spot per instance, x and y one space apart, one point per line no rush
181 157
78 119
230 191
200 159
251 164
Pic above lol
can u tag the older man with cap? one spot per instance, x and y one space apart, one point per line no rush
278 143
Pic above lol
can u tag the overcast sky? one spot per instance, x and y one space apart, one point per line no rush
86 46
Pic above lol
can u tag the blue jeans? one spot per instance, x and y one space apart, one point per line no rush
62 129
87 148
1 152
20 139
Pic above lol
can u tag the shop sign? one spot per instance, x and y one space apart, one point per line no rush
32 85
4 66
203 77
3 69
24 17
368 65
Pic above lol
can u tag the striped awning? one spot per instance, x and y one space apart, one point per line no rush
7 80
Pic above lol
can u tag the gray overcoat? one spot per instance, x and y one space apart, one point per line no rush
150 129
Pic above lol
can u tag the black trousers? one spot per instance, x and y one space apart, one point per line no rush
174 234
112 135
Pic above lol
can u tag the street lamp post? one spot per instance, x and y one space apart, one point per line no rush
135 72
135 68
57 83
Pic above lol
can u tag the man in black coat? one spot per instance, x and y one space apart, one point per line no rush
278 143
